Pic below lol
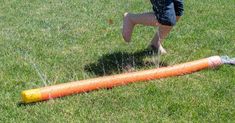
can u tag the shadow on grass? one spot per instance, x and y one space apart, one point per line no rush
21 104
119 62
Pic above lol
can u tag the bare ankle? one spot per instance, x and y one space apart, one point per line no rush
129 16
128 26
126 13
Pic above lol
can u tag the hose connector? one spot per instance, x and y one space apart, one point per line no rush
228 60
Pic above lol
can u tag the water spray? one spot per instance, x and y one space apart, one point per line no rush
60 90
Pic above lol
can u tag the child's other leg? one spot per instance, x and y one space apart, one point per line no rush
159 37
130 20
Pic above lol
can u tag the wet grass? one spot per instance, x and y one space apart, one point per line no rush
49 42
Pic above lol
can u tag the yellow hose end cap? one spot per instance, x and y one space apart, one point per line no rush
29 96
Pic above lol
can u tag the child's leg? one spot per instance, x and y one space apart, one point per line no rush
167 13
159 37
130 20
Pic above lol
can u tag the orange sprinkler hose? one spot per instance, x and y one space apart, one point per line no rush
60 90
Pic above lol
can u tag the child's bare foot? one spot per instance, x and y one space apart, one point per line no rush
160 50
128 26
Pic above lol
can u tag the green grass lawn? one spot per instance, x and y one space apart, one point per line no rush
46 42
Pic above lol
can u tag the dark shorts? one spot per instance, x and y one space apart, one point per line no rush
167 10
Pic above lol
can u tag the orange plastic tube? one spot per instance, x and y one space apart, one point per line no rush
60 90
